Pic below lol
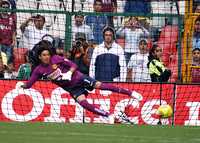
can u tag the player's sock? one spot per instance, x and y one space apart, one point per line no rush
107 86
93 109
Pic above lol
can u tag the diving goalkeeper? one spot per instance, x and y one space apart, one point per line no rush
65 74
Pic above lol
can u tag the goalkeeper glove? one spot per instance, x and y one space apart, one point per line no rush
67 75
20 85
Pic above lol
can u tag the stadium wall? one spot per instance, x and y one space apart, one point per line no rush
45 102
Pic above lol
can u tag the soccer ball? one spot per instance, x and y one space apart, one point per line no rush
165 111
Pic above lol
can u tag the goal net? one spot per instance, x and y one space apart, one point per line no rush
76 29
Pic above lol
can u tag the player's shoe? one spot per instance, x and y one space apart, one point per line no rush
124 117
136 95
111 119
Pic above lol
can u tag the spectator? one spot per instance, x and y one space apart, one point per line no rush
24 71
12 3
196 34
109 6
132 32
9 72
196 6
54 42
108 61
3 64
81 53
137 66
79 26
59 47
7 32
157 70
138 6
197 9
97 23
196 57
195 71
33 33
2 68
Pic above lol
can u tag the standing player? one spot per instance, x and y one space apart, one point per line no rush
64 73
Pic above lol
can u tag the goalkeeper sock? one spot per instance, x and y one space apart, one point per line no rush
93 109
107 86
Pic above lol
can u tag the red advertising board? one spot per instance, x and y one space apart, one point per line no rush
187 105
46 102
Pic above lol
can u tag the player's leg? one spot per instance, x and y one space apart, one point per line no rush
85 104
108 86
90 83
79 93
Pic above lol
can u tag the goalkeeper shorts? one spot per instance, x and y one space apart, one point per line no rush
86 84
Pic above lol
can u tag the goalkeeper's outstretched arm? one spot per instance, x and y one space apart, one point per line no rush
34 77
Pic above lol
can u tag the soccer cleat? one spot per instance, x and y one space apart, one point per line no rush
136 95
111 119
124 117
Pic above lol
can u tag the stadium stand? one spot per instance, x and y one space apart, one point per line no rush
161 27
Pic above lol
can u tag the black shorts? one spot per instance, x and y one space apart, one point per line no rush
85 85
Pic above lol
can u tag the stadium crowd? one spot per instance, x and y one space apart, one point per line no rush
108 48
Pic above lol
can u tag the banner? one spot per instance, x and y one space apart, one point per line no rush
45 102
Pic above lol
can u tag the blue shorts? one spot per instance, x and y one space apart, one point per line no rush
85 85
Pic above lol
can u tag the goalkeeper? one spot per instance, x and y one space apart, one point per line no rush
65 74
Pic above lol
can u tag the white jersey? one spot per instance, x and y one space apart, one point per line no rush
138 64
32 36
132 38
82 29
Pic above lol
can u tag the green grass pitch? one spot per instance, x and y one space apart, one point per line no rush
95 133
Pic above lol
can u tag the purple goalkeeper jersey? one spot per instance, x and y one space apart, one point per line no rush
53 72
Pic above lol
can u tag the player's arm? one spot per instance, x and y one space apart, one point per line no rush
25 24
14 38
130 68
64 61
34 77
68 75
72 66
121 32
144 32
